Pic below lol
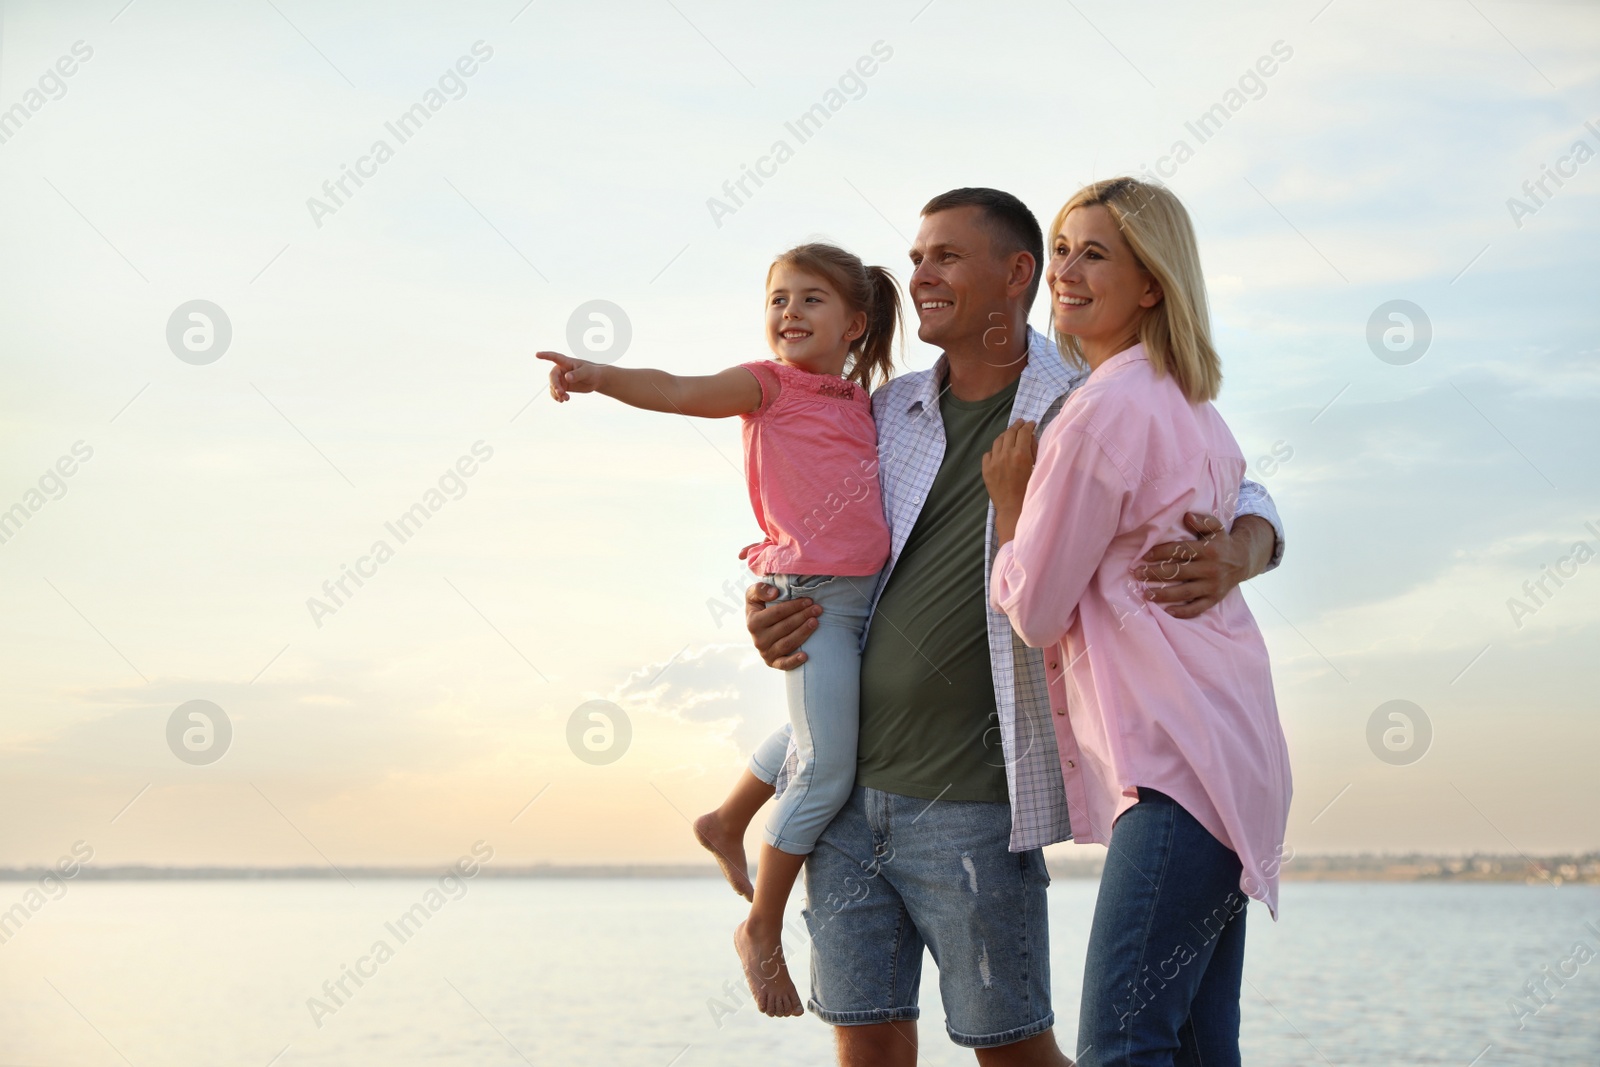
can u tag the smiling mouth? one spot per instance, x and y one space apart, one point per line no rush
935 305
1072 301
794 335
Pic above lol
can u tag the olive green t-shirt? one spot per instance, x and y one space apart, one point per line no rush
927 694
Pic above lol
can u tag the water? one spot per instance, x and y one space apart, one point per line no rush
185 974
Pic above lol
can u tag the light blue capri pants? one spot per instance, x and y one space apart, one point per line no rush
824 704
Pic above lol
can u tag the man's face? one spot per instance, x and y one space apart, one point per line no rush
958 284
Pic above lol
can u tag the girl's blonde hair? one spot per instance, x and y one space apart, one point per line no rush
1176 333
862 288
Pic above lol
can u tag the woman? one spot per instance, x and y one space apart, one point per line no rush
1168 732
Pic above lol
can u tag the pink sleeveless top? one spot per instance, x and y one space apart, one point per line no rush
811 462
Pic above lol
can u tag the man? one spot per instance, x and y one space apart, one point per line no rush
939 845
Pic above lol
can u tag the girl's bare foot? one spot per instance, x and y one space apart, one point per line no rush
761 953
728 846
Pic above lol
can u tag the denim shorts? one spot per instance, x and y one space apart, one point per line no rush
892 875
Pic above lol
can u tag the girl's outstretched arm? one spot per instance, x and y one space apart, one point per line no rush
734 391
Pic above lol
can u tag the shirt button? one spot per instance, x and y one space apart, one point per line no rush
1061 711
1052 664
1071 764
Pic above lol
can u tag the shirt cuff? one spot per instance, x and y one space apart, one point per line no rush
1255 500
1002 557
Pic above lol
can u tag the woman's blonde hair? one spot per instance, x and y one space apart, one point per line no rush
1176 333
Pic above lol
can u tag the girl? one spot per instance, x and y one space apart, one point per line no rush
811 461
1168 732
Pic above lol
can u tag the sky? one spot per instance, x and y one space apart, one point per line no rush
378 355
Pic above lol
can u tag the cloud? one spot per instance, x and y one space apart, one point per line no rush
725 687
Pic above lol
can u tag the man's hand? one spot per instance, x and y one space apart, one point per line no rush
1007 466
779 630
570 375
1190 577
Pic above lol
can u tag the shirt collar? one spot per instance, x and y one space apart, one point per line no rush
1125 357
1045 378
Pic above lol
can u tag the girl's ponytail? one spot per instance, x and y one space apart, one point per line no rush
874 360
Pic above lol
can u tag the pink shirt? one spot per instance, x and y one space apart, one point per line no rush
1183 706
811 461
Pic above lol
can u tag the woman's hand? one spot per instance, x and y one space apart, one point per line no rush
571 375
1007 466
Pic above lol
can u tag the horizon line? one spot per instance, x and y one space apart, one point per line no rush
1501 863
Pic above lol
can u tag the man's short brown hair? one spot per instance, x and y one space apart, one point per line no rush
1012 226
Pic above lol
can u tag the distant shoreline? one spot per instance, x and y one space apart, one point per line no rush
1555 870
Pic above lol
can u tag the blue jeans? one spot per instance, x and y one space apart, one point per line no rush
1166 949
893 875
824 707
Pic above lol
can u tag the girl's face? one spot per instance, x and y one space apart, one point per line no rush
1098 290
808 324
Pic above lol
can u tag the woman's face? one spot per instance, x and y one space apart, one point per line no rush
1098 290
